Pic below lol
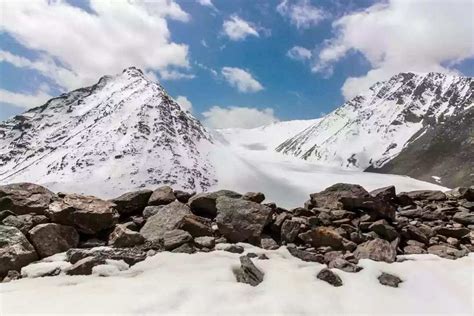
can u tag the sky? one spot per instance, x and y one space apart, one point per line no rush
250 62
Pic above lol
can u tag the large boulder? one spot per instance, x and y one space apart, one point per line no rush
248 272
25 222
241 220
429 195
132 202
51 238
168 218
455 232
384 230
323 237
88 214
290 230
162 196
25 198
204 204
465 218
124 237
377 250
15 250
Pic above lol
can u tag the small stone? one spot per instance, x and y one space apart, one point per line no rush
413 250
268 243
183 196
149 211
248 272
389 279
257 197
205 242
185 248
232 248
262 256
344 265
330 277
124 237
175 238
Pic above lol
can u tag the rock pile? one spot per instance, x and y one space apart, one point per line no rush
338 226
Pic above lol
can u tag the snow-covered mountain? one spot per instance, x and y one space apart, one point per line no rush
125 131
375 127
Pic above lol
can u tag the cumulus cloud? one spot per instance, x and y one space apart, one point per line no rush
175 75
184 103
76 47
241 79
301 13
238 29
238 117
207 3
299 53
399 35
25 100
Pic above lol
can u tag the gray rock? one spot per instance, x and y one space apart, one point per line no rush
174 238
329 277
417 234
461 193
204 204
123 237
87 214
92 242
240 220
268 243
447 252
149 211
389 279
130 255
377 250
413 250
185 248
168 218
465 218
25 198
344 265
233 248
455 232
289 230
52 238
429 195
323 236
384 230
25 222
304 255
205 242
12 275
4 214
85 266
15 250
162 196
385 193
132 202
195 225
183 196
248 272
257 197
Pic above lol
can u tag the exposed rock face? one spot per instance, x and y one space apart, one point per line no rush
377 250
240 220
168 218
132 202
389 279
248 272
15 250
51 238
87 214
330 277
204 204
25 198
162 196
123 237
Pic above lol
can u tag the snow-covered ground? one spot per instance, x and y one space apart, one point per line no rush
203 284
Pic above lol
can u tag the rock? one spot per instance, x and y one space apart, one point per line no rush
385 193
248 272
404 200
301 211
195 225
132 202
149 211
330 277
377 250
240 220
279 219
331 255
268 243
162 196
257 197
25 222
5 214
205 242
445 251
88 214
262 256
305 255
413 250
461 193
52 238
185 248
464 218
174 238
389 279
15 250
182 196
323 236
251 255
231 248
12 275
25 198
91 243
84 266
130 255
344 265
452 232
428 195
204 204
417 234
384 230
289 230
168 218
123 237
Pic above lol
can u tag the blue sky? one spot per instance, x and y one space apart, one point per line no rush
225 55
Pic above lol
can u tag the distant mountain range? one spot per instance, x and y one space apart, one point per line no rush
126 132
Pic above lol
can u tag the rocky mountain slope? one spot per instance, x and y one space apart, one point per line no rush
413 124
125 131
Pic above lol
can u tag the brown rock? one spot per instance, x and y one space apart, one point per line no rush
323 236
25 198
52 238
162 196
377 250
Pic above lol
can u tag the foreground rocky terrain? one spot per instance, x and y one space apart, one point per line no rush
338 227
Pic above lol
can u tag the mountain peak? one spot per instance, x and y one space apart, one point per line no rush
133 71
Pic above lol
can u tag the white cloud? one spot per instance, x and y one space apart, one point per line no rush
76 47
238 117
299 53
238 29
241 79
301 13
398 36
207 3
24 100
184 103
174 75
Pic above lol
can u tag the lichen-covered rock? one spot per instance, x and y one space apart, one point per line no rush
330 277
204 204
15 250
377 250
248 273
240 220
52 238
25 198
132 202
162 196
124 237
